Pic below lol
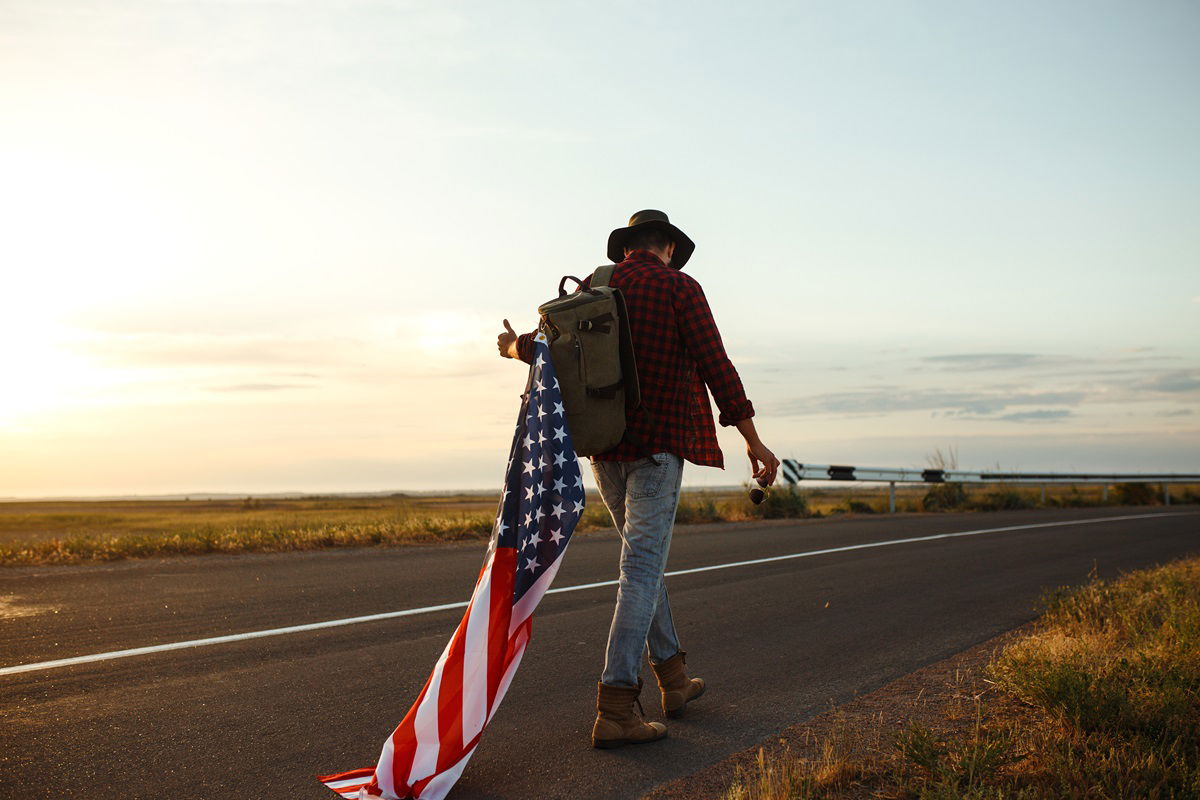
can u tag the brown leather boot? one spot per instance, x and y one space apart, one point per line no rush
616 724
677 688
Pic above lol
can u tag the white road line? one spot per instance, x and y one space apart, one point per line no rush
408 612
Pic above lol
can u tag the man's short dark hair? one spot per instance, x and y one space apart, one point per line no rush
649 240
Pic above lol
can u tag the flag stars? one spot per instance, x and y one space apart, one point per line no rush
544 492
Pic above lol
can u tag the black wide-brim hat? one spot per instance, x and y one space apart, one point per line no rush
650 220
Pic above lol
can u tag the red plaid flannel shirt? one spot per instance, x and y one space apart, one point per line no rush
678 350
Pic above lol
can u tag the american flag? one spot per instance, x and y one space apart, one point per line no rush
543 499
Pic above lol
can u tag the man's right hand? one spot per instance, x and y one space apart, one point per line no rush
763 462
506 342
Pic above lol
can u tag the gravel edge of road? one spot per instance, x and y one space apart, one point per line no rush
921 696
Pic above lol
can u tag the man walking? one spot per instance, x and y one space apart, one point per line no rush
678 351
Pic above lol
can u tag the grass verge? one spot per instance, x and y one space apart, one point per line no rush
69 532
1100 698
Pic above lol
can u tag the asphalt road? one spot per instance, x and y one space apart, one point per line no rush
777 642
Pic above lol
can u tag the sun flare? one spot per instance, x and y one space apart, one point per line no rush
42 373
445 332
81 236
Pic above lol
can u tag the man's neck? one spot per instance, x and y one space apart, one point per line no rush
646 251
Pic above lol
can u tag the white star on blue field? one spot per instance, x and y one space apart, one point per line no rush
543 495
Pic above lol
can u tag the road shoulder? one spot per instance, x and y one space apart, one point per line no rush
934 696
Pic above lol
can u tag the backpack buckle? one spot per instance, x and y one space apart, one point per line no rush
598 324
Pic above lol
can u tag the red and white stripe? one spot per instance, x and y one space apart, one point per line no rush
428 751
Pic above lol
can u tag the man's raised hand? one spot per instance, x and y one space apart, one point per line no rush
506 342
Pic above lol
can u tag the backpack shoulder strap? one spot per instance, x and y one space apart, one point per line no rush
602 275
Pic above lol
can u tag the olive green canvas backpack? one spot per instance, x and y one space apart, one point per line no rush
589 340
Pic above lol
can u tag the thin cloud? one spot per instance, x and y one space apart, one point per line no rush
1037 415
187 350
258 387
884 400
1183 380
974 362
1141 362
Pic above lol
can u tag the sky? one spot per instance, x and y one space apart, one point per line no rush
267 245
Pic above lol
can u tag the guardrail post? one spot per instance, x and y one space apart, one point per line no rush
1104 494
1166 494
1043 494
892 497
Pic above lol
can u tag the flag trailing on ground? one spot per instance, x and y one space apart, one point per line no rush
542 500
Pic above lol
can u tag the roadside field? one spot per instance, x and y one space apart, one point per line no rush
68 531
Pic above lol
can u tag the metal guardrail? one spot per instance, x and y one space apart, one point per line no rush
794 472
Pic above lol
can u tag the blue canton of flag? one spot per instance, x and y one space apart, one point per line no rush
543 494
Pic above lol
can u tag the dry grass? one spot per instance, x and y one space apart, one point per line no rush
834 767
1101 699
67 532
87 531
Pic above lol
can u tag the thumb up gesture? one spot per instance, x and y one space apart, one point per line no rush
506 342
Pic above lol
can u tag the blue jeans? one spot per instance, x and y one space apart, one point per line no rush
642 497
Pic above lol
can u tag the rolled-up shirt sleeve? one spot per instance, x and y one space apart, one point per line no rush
699 333
525 346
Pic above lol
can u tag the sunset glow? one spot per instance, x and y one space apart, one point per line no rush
268 246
